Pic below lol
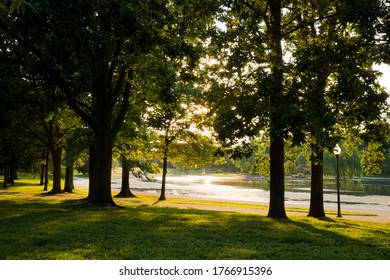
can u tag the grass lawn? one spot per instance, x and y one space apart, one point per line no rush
36 226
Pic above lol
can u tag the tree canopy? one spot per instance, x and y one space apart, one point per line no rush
133 78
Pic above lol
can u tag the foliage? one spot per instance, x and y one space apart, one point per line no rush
19 6
133 144
91 52
372 159
175 113
193 151
358 160
253 158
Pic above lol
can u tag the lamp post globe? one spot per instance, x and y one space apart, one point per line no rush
337 152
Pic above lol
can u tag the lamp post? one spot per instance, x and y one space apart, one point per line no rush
337 152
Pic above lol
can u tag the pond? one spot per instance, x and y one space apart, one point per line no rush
369 193
365 193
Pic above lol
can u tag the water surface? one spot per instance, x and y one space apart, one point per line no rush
364 193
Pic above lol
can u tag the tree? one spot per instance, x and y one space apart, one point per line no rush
125 187
133 145
174 104
255 90
10 88
55 143
341 96
172 118
88 50
78 140
196 151
251 83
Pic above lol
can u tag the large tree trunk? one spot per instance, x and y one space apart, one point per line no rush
101 150
100 169
69 185
12 171
125 188
276 207
317 184
56 157
108 91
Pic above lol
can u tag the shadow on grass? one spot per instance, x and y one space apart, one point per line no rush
325 219
72 230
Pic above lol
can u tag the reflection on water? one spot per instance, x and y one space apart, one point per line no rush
357 187
364 192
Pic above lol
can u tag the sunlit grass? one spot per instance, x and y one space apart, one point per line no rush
31 187
37 226
190 201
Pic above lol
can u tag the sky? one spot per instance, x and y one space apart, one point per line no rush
385 79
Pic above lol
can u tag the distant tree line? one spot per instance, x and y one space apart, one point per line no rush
353 164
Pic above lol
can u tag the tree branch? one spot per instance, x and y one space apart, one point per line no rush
124 106
307 24
254 9
118 85
74 104
248 5
113 65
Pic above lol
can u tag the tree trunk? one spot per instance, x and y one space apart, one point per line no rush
45 188
12 171
105 126
276 207
42 174
56 158
6 171
69 186
110 93
317 184
125 188
101 164
91 163
54 136
164 175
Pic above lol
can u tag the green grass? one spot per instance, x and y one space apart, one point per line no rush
36 226
185 201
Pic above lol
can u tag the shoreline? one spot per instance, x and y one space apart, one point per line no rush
152 189
369 215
